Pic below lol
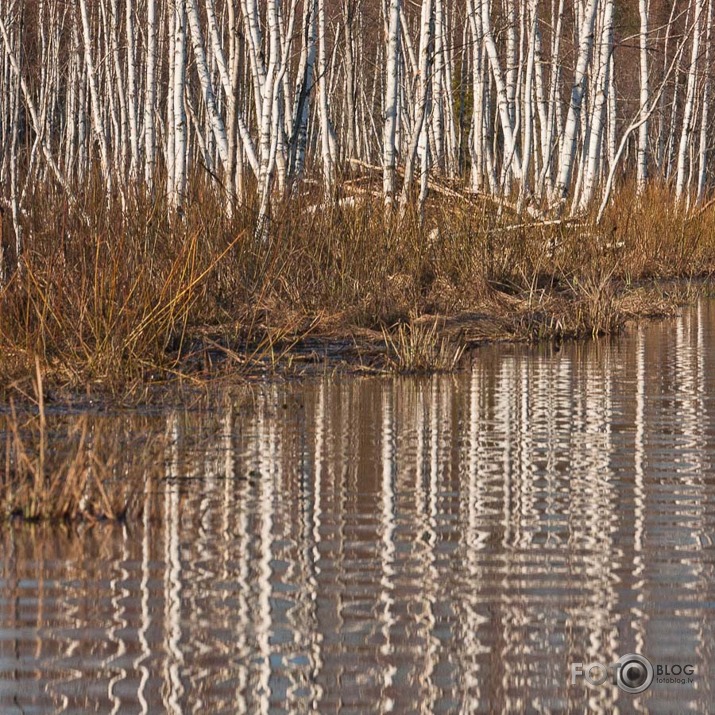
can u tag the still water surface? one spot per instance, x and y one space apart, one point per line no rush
446 544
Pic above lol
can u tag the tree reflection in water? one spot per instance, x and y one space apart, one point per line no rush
405 544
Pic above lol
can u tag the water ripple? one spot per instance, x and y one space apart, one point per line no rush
396 545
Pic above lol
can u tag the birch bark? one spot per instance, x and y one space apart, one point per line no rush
642 161
568 145
418 141
512 161
705 114
688 111
391 98
325 128
216 121
97 120
179 129
595 144
150 96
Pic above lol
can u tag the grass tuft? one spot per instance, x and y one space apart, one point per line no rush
418 348
69 468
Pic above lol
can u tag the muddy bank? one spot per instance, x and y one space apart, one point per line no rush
436 342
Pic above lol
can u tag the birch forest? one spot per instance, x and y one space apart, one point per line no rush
545 106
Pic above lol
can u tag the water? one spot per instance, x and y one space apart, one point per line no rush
396 544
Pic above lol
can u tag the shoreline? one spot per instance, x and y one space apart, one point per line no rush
426 345
128 309
63 455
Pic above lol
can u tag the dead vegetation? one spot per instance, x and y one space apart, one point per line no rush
416 347
66 467
127 298
130 300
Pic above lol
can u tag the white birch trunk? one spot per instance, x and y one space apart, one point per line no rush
476 134
600 109
97 119
688 111
217 126
705 115
418 142
132 99
553 119
304 89
512 161
662 133
568 145
179 129
150 96
528 109
389 153
642 161
349 7
325 128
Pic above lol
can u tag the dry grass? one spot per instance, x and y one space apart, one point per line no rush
415 348
69 468
133 298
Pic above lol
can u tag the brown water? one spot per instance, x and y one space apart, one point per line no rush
408 545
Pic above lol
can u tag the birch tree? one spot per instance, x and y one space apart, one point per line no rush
514 100
202 68
642 163
568 144
512 162
177 188
325 128
304 90
97 116
687 125
150 95
705 111
418 142
391 95
594 145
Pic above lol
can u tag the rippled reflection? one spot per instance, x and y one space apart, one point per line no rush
395 545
